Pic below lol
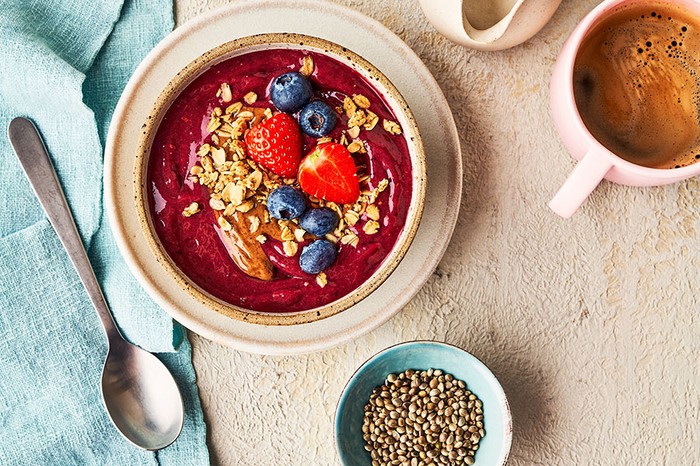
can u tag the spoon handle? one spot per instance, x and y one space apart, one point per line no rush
35 161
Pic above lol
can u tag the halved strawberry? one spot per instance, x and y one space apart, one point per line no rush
329 172
276 144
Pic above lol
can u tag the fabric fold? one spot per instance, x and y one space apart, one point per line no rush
64 65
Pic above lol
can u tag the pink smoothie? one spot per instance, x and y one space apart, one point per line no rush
193 244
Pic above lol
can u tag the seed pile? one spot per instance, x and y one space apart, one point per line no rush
422 418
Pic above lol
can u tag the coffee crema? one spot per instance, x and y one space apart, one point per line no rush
636 85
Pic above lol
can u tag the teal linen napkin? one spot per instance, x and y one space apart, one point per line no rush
64 64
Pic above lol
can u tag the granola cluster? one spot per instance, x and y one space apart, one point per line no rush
237 185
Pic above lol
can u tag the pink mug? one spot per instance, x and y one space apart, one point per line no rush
595 160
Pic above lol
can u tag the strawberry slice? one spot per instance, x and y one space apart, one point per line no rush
276 144
329 173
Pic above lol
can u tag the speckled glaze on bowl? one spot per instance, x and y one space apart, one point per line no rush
250 44
342 25
422 355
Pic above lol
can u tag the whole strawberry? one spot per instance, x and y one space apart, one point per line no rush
329 173
276 144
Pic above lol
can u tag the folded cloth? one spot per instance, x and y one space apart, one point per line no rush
63 65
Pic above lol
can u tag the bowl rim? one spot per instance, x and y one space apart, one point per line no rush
508 436
394 100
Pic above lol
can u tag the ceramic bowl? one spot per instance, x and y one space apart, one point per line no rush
357 32
284 41
422 355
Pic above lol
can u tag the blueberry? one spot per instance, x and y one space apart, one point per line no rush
317 256
290 91
286 203
317 119
320 221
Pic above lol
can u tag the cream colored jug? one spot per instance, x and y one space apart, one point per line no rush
489 24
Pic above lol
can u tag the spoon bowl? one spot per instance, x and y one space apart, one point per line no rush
141 397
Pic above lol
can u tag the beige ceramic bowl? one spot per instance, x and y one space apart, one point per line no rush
290 41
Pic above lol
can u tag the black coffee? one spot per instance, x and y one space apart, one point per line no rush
636 84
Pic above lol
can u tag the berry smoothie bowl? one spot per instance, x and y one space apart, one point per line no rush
280 179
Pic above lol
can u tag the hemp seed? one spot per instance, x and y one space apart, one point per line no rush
417 416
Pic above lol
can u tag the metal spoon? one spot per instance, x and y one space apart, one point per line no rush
140 394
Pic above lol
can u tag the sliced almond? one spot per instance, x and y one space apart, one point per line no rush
246 115
196 170
261 239
226 95
218 155
227 192
321 279
299 234
354 132
217 204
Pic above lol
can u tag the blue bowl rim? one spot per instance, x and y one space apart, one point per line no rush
508 438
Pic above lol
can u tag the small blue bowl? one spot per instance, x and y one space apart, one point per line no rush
422 355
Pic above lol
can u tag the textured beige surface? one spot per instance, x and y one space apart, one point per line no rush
591 324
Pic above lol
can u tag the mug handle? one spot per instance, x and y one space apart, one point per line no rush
587 174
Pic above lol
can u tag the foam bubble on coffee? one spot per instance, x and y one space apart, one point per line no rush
636 85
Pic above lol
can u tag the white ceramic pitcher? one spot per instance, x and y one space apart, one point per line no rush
489 24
